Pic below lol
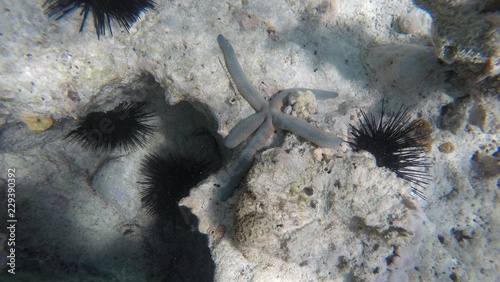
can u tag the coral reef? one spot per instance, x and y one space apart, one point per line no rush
278 211
89 203
467 32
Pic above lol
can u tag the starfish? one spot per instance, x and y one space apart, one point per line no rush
260 126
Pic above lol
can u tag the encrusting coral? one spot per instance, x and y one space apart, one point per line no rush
262 124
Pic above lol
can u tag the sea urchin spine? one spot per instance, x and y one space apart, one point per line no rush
124 127
125 12
167 178
390 142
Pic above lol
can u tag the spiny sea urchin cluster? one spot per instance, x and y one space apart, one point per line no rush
391 143
125 127
125 12
168 175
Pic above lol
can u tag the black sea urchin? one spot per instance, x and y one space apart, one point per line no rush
390 142
124 127
169 175
125 12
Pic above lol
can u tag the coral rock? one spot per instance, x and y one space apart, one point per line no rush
467 32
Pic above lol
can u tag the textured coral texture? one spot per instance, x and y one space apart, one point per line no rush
302 213
319 201
466 32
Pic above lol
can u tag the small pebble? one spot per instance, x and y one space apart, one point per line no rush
446 148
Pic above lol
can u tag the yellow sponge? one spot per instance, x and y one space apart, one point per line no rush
36 124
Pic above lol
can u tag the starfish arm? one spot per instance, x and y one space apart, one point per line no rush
318 93
303 129
244 86
279 100
245 160
244 129
299 126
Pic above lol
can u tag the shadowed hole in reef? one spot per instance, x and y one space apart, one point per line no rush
175 250
192 150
